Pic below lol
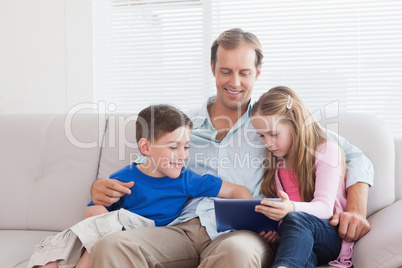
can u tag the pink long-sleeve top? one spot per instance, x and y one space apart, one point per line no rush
329 195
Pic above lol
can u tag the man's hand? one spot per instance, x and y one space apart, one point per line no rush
106 192
352 226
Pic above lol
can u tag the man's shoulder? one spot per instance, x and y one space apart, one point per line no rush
202 110
193 112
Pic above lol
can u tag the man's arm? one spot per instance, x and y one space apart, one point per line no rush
353 224
106 192
360 175
359 167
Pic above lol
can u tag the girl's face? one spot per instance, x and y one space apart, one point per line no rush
275 135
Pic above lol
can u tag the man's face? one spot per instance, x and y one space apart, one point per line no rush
235 75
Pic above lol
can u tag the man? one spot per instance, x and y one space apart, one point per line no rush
224 144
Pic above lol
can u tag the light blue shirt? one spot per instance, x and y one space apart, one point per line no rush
238 159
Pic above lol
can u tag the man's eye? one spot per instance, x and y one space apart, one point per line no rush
187 147
173 148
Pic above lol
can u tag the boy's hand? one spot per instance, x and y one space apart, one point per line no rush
106 192
276 210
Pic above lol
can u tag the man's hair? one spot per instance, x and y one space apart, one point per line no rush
157 120
232 39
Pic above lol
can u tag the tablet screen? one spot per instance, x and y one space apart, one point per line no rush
239 214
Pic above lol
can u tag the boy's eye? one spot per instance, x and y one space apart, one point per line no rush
186 147
274 134
173 147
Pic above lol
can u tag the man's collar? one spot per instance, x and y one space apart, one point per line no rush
203 114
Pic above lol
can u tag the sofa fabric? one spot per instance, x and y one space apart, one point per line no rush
49 161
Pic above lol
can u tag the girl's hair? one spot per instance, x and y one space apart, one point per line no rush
306 135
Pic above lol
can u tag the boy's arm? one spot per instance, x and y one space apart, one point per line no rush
230 190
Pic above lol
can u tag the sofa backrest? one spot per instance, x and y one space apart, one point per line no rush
119 144
398 168
47 164
372 136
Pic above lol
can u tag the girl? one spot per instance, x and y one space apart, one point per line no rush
307 171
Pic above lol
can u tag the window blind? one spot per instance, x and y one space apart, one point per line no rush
343 55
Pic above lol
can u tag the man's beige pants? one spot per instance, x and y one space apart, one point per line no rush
184 245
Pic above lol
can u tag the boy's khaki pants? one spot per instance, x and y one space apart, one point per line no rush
183 245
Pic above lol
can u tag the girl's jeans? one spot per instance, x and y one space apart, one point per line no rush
306 241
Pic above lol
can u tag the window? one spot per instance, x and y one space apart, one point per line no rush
342 54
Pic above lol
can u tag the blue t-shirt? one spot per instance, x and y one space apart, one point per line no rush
162 199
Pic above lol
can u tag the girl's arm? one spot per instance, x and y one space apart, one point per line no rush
230 190
329 172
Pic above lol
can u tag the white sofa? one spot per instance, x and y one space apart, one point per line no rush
48 162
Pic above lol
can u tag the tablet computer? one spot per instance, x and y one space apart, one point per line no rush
239 214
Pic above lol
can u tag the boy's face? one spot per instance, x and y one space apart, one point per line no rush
170 152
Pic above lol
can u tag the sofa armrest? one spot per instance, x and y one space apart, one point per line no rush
382 246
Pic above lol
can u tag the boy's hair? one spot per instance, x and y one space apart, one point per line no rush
231 39
306 136
157 120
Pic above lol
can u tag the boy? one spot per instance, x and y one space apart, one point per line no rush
162 183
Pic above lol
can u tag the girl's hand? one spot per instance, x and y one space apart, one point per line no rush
276 210
270 237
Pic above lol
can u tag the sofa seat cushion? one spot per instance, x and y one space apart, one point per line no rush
19 246
382 246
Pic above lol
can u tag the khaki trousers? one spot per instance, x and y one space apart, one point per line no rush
184 245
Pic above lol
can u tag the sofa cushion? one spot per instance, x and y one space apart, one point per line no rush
382 246
119 145
50 162
17 246
398 168
372 136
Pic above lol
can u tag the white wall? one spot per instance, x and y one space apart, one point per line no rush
45 55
